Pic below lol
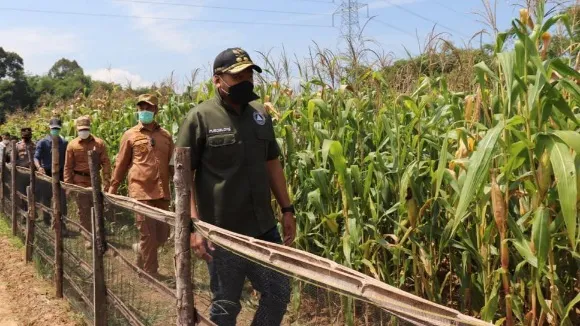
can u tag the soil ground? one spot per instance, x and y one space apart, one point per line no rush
25 299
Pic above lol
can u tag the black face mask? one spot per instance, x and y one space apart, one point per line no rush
26 136
241 93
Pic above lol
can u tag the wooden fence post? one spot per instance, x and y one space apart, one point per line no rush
186 315
31 195
13 194
56 217
99 244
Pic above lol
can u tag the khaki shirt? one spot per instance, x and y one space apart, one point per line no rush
76 165
229 151
146 154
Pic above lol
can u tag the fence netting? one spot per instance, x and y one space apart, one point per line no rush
264 292
150 298
247 282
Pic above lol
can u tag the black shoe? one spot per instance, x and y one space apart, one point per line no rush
64 231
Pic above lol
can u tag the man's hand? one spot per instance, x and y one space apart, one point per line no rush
40 170
198 244
289 228
112 190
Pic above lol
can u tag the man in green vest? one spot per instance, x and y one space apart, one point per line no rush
234 157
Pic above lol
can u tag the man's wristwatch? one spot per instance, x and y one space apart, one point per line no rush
288 209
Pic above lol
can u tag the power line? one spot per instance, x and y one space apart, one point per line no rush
394 27
424 18
311 1
319 1
447 7
222 8
70 13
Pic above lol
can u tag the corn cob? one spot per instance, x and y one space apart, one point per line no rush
544 173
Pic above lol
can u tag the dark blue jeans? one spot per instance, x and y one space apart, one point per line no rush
228 272
44 196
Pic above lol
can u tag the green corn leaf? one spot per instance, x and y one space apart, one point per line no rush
441 166
534 94
521 243
571 305
564 69
491 306
541 299
570 137
541 237
565 172
476 174
507 62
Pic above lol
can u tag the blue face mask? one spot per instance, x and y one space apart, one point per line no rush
54 132
146 116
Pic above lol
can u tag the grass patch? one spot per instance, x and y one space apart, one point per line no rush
6 230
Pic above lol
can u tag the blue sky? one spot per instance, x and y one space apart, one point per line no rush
144 50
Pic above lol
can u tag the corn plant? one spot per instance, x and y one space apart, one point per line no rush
468 198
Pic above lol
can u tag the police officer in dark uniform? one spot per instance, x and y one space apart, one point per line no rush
22 160
234 157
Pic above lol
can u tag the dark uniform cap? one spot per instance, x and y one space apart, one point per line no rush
233 61
23 129
55 123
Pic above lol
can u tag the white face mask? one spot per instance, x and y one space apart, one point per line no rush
84 134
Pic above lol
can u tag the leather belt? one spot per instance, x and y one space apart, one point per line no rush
84 174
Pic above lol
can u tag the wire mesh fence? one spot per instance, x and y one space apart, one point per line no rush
259 293
247 282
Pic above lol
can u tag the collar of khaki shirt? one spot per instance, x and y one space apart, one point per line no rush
88 140
152 126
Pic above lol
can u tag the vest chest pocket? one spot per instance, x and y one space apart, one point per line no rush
141 147
261 145
81 156
224 150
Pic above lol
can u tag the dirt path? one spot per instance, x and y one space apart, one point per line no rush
24 298
6 316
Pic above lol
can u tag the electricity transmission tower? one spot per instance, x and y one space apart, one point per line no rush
349 25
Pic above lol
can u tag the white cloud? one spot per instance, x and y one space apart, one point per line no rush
39 47
119 76
177 35
169 35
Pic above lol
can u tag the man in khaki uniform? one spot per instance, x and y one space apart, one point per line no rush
76 168
145 152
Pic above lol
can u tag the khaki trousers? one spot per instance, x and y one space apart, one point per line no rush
153 234
84 202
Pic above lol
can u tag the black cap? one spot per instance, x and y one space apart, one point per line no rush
25 129
55 123
233 61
